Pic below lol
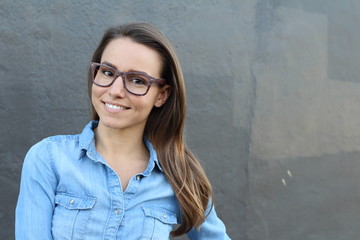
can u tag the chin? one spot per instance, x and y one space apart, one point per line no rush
110 123
117 124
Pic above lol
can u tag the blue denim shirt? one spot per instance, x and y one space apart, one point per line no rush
68 191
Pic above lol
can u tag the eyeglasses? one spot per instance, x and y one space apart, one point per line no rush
137 83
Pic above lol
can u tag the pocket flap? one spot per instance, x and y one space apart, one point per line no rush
161 214
75 202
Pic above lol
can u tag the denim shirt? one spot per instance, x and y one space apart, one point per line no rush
68 191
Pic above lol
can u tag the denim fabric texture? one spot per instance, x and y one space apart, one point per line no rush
68 191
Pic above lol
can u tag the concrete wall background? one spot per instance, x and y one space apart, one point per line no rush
304 152
275 122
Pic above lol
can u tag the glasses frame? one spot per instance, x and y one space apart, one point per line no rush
118 74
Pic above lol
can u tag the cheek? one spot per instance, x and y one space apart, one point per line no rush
139 104
96 92
142 104
95 95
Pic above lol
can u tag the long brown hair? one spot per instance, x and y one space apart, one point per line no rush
165 126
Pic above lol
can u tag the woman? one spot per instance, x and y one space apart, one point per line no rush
128 175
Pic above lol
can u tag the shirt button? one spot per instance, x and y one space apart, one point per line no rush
72 201
138 177
117 211
164 216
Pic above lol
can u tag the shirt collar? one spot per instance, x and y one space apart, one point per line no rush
87 144
153 154
86 138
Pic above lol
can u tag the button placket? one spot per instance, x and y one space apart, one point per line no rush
117 204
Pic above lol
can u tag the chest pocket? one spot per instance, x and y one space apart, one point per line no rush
71 215
158 223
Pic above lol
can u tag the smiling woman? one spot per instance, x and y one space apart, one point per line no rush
128 175
111 99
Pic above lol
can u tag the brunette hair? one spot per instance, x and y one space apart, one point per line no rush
165 126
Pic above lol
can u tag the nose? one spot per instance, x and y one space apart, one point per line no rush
117 89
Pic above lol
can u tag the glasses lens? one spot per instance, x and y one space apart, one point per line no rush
103 75
137 83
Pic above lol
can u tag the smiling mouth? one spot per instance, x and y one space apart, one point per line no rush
115 107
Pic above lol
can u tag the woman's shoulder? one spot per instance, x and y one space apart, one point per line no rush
56 139
57 145
48 144
59 139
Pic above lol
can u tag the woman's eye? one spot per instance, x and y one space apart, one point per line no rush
108 73
138 81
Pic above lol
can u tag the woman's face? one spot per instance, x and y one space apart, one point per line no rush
116 107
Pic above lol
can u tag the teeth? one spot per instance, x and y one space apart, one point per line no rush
114 106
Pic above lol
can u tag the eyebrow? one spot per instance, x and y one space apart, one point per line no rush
109 64
131 70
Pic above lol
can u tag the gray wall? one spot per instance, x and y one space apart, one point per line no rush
273 94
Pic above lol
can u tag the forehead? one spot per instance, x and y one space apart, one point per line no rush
128 55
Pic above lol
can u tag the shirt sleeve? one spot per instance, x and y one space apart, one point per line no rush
212 229
35 204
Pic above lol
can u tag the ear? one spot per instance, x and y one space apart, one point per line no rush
163 95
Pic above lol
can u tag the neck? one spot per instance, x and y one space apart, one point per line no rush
119 144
